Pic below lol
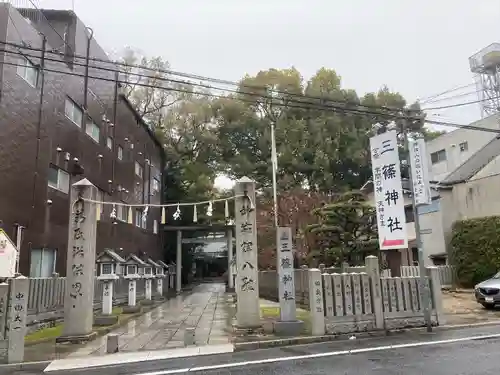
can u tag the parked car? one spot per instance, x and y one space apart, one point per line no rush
487 292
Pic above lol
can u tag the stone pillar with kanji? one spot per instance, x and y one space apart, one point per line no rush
81 256
17 313
247 284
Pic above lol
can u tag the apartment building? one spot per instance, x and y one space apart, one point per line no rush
43 152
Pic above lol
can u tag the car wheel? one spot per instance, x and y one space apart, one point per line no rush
489 306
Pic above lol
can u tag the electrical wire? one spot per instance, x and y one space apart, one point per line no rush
309 106
425 100
461 104
203 78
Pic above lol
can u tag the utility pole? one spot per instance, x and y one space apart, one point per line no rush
274 162
425 297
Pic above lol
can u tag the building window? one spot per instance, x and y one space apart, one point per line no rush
156 185
138 169
93 131
73 112
410 217
109 143
464 146
100 206
438 156
155 226
58 179
138 218
27 71
121 213
120 153
43 262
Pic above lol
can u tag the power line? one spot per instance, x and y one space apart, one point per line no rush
454 97
460 104
321 105
310 106
429 98
203 78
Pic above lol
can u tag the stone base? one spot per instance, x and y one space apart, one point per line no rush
293 328
76 339
131 309
105 320
147 302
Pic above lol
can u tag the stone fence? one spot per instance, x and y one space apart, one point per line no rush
268 281
446 274
356 302
46 298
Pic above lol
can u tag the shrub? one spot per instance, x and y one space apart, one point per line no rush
475 249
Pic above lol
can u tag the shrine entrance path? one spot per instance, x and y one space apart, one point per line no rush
207 308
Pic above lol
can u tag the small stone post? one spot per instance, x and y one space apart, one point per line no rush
373 271
132 293
171 284
247 292
107 298
18 312
316 302
79 294
437 294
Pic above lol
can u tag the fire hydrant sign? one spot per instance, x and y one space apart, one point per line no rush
8 255
388 191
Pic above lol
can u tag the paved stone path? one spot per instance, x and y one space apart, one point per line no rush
206 308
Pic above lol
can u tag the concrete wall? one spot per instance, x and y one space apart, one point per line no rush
450 142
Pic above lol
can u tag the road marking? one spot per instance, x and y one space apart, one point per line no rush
319 355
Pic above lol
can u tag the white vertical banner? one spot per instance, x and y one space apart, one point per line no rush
286 282
420 171
388 191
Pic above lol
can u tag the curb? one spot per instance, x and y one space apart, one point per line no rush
28 366
273 343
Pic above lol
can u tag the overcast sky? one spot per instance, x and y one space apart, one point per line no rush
419 48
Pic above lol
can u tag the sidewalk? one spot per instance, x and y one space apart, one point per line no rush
206 309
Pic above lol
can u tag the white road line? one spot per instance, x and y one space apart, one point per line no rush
318 355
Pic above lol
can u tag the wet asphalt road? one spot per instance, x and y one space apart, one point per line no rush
464 351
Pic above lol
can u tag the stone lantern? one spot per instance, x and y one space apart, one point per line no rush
159 275
108 266
148 275
133 268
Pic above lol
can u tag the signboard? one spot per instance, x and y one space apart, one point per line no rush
420 172
8 256
286 282
388 192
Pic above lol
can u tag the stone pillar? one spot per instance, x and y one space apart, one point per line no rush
132 293
79 293
437 294
159 287
4 303
229 238
148 292
107 298
248 308
373 271
178 281
17 314
316 302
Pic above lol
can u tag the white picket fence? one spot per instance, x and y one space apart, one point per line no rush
445 274
356 302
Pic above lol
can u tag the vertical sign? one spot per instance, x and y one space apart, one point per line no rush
79 296
286 280
388 192
18 311
247 284
8 256
420 172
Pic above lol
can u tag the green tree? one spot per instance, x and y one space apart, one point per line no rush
346 230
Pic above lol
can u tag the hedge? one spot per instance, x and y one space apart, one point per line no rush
475 249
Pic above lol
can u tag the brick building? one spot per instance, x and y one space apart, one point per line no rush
40 152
